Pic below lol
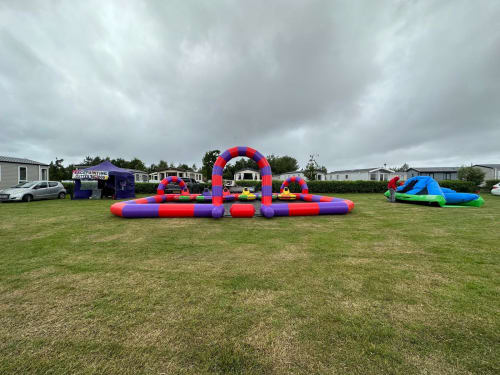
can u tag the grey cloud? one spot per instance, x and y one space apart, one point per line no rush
361 83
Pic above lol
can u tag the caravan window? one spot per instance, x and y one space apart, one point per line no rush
23 174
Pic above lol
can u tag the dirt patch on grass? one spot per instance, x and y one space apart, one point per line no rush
41 272
290 253
352 305
255 297
106 238
42 233
49 220
280 345
358 260
433 365
6 226
123 236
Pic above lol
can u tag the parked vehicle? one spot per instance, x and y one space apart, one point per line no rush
193 186
34 190
496 189
239 189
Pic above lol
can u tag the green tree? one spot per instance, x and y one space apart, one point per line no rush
185 167
57 171
403 168
208 162
68 172
87 161
472 174
91 161
245 163
97 160
312 168
282 164
120 163
152 168
136 163
162 165
229 171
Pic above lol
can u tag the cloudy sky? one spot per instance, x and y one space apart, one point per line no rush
359 83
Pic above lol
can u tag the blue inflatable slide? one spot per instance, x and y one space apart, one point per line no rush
424 189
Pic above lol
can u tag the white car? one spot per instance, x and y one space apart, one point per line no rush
496 189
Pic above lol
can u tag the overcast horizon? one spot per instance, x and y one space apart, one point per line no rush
360 84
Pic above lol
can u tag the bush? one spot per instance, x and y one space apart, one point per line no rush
317 187
347 186
248 183
459 186
70 188
489 184
151 187
322 187
473 174
145 187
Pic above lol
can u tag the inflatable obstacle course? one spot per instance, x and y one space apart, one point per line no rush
426 190
211 204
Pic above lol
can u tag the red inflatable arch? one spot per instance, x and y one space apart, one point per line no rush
163 184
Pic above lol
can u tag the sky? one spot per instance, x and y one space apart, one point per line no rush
358 84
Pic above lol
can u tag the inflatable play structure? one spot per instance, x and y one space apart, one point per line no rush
426 190
211 204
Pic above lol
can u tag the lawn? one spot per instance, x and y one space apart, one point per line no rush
387 289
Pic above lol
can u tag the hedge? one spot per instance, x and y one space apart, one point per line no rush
248 183
150 187
321 187
70 188
145 187
459 186
318 187
326 186
347 186
489 184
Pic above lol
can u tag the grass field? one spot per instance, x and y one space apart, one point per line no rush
389 288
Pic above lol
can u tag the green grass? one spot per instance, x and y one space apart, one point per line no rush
387 289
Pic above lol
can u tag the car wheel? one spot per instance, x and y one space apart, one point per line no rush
27 198
62 195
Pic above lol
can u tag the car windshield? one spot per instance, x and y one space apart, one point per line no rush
25 185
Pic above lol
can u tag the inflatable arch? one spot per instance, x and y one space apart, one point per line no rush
154 207
164 183
299 180
265 173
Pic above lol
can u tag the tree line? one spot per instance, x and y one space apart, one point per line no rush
279 164
59 172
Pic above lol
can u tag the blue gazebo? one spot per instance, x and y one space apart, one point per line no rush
120 182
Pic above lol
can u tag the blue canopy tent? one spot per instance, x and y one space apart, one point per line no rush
109 178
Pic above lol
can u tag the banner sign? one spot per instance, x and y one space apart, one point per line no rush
80 174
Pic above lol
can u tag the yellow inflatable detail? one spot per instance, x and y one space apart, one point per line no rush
286 195
246 195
